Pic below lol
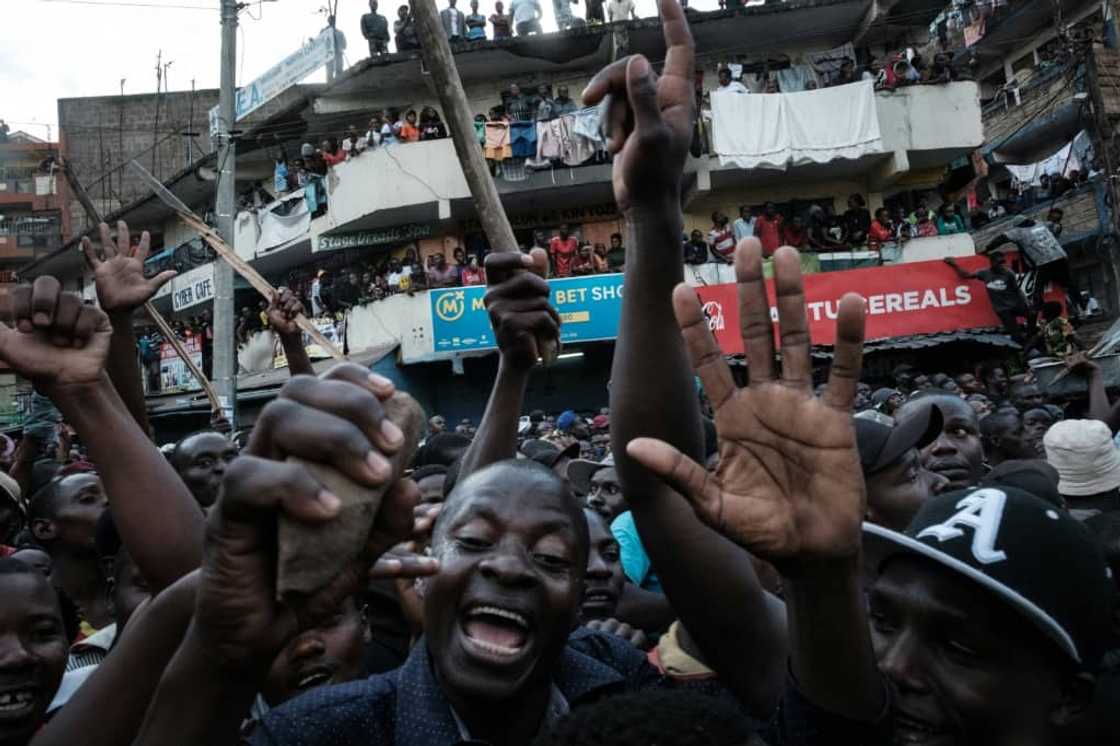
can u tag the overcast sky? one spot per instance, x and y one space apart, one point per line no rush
51 49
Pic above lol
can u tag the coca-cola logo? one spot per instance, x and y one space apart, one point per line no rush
713 311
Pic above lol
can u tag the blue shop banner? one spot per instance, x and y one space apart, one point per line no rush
589 309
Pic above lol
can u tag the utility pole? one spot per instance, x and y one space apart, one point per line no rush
225 348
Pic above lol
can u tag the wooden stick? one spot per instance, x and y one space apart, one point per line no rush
263 286
436 51
156 316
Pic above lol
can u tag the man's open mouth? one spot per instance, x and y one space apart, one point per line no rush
314 677
496 632
15 703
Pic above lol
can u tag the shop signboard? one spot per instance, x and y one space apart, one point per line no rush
902 299
280 77
193 287
588 307
381 237
173 372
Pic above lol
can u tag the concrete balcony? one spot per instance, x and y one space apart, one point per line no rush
922 128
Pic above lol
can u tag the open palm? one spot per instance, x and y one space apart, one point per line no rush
119 271
650 117
789 486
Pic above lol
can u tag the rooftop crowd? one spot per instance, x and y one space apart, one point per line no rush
784 560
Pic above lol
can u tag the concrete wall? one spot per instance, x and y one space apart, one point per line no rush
94 141
931 117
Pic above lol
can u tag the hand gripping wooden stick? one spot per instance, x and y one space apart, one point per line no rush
436 51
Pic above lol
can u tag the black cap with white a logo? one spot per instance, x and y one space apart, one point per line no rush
1032 555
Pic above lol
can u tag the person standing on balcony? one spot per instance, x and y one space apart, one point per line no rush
431 126
526 16
857 221
317 307
948 221
881 230
562 104
922 209
616 256
594 12
794 234
473 274
476 24
442 274
454 22
722 238
332 154
744 224
500 22
409 131
546 110
562 251
621 10
696 249
375 29
727 85
563 11
519 107
404 30
768 228
819 237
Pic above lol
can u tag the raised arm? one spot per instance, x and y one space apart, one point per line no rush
118 273
61 345
652 382
283 308
517 301
238 625
789 486
961 273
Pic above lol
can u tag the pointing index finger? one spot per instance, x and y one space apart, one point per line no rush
679 55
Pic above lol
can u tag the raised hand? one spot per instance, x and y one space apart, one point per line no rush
56 340
282 311
119 274
650 118
635 637
789 487
336 420
517 301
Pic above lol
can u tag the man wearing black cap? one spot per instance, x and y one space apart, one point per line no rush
889 452
979 638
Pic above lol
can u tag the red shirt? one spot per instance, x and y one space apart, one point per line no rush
563 252
769 233
472 276
334 158
879 233
722 241
795 237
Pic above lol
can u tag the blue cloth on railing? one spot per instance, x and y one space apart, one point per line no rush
315 194
523 139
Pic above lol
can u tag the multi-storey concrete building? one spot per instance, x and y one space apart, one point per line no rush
825 144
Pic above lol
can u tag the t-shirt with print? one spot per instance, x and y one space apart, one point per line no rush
1003 290
563 251
722 241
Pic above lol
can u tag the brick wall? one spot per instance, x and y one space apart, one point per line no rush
1080 214
1002 120
93 140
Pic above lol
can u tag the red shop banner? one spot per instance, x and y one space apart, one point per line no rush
902 299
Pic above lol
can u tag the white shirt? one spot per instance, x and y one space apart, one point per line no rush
619 10
524 10
455 30
732 87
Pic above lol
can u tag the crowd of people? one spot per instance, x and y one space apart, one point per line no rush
523 17
780 558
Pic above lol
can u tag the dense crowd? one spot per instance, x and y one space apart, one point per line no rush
712 558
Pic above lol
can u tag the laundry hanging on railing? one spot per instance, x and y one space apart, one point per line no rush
793 129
